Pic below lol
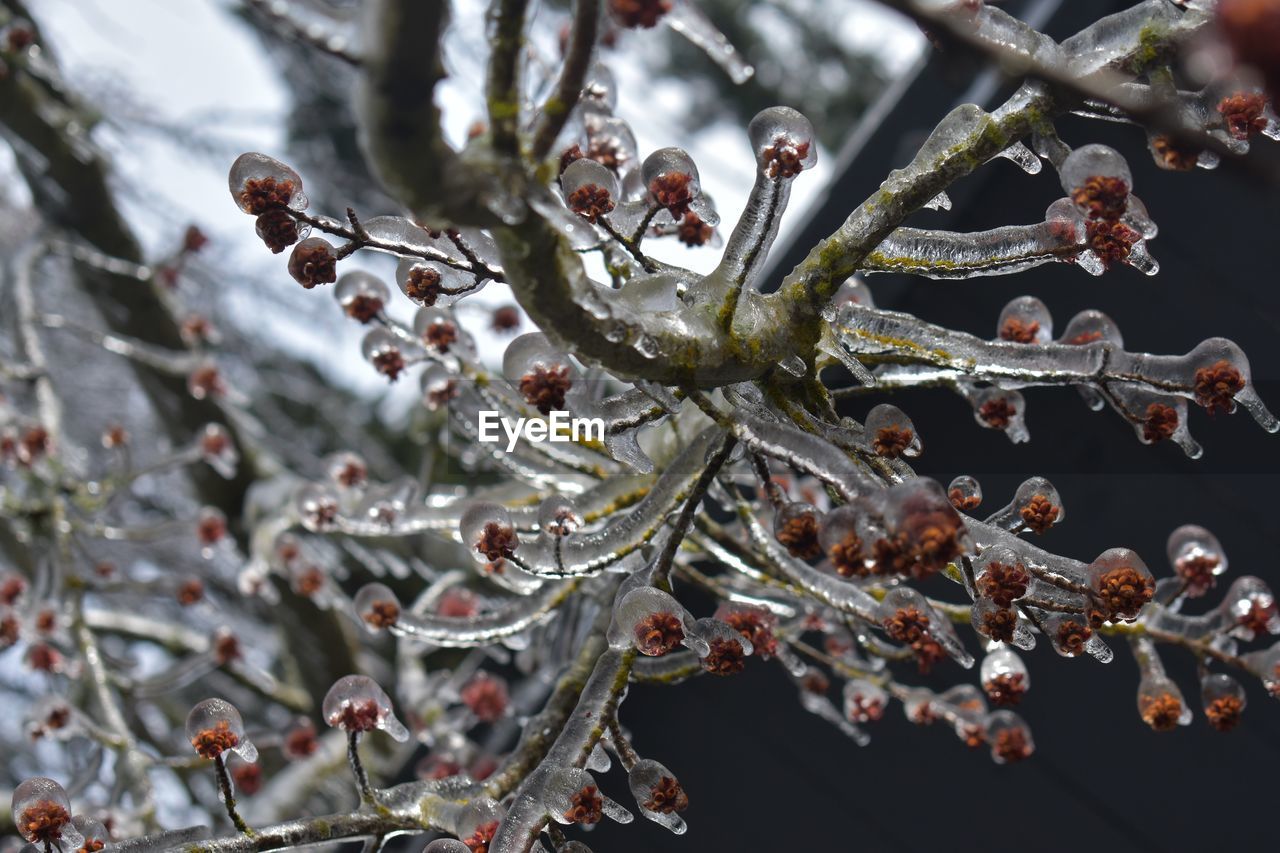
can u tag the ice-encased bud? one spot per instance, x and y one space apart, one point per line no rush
1004 677
1071 636
446 845
1039 505
478 821
727 648
658 794
439 386
1009 736
600 89
1223 699
890 433
429 283
382 349
486 696
1025 320
590 190
317 506
488 532
1160 704
1121 586
1249 608
1219 377
541 373
654 623
439 330
965 493
1090 326
843 539
42 813
1000 623
1000 575
95 835
795 526
853 291
362 295
347 470
218 451
919 515
997 408
1197 558
557 516
783 142
671 179
864 701
572 796
259 183
1098 181
214 726
355 703
908 618
377 607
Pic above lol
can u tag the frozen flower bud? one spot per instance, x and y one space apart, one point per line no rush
1072 636
429 284
362 295
505 319
996 408
1098 180
864 701
1223 699
300 741
1197 558
572 796
1160 704
382 349
377 607
347 470
1089 327
995 622
259 183
1009 736
42 813
94 834
1244 114
446 845
1220 373
211 528
1038 504
672 180
890 433
558 517
438 330
1004 677
795 526
190 592
658 794
907 618
590 190
755 624
439 387
11 589
205 382
841 540
542 374
313 262
1025 320
1250 608
654 623
478 822
317 507
965 493
1121 586
727 648
925 526
278 230
1001 576
639 14
214 727
487 531
783 141
218 451
355 703
853 291
486 696
115 436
